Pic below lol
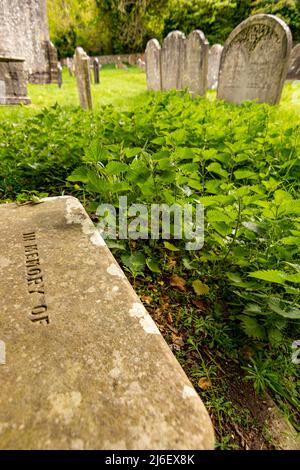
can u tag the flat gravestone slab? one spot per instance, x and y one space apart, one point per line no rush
255 60
83 366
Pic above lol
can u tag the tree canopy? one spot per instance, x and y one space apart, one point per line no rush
123 26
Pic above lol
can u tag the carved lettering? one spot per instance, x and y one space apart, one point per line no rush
35 280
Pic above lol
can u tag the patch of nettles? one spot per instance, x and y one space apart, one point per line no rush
241 162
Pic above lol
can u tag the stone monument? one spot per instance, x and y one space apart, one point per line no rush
13 81
173 61
294 65
214 59
96 70
24 33
82 72
196 60
255 60
82 364
153 65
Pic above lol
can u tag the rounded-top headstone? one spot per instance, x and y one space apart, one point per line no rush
214 59
152 59
173 60
255 60
196 63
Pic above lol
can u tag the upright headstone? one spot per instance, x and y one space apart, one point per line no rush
24 32
53 62
59 75
82 71
255 60
196 61
82 363
153 65
214 59
96 69
173 61
294 65
13 81
70 66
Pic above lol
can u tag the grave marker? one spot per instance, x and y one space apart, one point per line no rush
82 365
196 62
173 61
254 60
214 59
82 71
96 69
294 65
13 81
153 65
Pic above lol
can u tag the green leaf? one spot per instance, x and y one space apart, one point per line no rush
252 328
278 277
135 262
216 168
245 174
115 167
200 288
79 174
171 247
153 265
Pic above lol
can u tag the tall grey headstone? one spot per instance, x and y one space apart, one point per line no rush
70 65
196 61
82 71
294 65
255 61
96 71
173 61
82 363
153 65
214 59
24 32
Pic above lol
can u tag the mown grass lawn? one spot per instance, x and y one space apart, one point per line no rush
233 304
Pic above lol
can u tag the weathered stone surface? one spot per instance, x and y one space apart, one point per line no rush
59 75
214 59
13 81
173 61
82 72
24 33
254 61
70 65
196 62
294 65
96 70
153 65
53 63
83 366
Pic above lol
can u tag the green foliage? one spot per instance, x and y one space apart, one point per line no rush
240 162
122 26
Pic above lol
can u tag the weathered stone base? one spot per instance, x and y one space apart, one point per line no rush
83 365
13 82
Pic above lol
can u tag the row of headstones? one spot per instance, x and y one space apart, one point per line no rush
252 65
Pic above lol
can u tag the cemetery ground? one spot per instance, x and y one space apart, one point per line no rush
230 311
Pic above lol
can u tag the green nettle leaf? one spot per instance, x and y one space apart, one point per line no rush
115 168
183 153
135 262
245 174
200 288
216 168
79 174
153 265
278 277
170 246
252 328
275 336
